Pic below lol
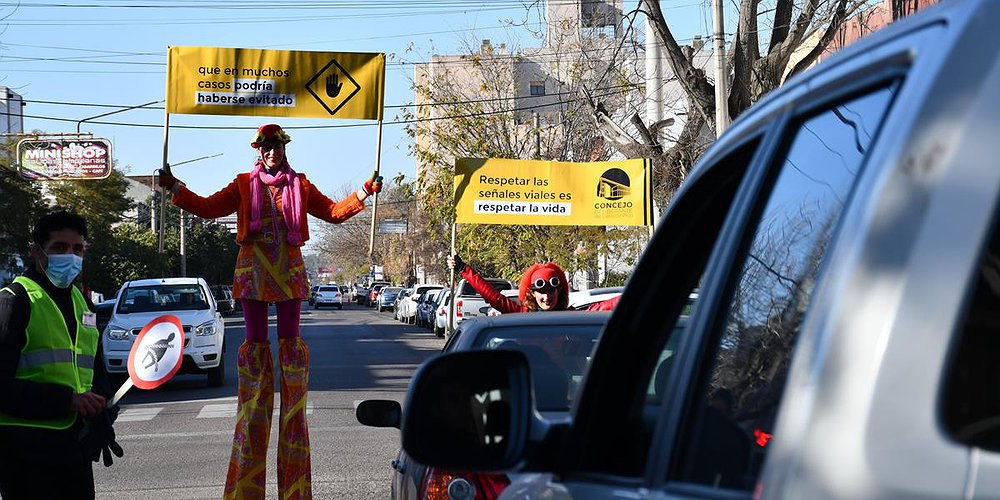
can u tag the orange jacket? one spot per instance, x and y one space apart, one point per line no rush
236 198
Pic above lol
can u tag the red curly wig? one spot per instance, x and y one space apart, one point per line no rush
545 271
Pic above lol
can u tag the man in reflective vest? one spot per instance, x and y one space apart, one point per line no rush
53 387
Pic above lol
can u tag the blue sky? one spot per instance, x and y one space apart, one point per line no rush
113 52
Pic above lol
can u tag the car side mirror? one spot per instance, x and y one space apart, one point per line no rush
469 410
379 413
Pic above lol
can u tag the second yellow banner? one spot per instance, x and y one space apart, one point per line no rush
551 193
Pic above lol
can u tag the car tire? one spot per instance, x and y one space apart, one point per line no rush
340 307
438 331
217 375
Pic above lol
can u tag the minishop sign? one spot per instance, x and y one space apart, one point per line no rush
64 159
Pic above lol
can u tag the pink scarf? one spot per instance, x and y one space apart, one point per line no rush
291 198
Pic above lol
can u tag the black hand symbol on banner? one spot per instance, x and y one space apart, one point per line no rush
333 85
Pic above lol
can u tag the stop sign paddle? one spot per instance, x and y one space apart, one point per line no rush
156 355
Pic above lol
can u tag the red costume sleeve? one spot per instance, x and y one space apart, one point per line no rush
604 305
326 209
492 296
224 202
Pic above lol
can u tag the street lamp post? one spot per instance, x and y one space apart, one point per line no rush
79 123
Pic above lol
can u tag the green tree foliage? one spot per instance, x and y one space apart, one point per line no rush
22 205
211 252
103 203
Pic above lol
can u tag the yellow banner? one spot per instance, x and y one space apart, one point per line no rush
258 82
552 193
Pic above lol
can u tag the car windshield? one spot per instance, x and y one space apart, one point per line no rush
558 357
162 297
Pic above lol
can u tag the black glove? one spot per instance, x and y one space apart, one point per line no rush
167 180
99 437
459 264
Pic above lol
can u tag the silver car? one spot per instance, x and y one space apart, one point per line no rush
844 240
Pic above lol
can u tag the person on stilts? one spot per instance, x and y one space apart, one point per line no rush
271 203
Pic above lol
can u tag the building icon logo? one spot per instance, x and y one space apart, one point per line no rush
613 185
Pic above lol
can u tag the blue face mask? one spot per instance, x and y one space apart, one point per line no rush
63 268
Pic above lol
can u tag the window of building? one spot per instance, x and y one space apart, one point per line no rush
537 87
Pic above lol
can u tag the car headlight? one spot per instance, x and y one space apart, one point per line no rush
205 328
117 333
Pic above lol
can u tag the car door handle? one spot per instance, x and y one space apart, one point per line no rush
398 466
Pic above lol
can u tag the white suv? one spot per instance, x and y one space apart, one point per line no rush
328 295
141 301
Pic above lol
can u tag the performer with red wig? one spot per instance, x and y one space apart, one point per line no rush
271 203
543 288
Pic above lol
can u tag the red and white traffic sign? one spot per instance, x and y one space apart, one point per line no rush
157 352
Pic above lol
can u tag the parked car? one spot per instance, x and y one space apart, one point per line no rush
141 301
328 295
843 237
224 299
312 294
103 311
401 297
387 298
427 308
373 293
361 294
443 303
408 308
557 346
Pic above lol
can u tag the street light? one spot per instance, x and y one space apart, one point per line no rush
113 112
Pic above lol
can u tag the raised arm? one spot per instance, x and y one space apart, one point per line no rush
484 288
224 202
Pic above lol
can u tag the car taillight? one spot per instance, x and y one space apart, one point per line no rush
458 308
337 295
447 485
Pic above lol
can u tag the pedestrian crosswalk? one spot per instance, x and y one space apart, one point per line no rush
214 410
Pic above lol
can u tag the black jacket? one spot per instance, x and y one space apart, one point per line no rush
29 399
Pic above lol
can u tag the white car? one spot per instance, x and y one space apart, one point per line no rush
407 310
141 301
328 295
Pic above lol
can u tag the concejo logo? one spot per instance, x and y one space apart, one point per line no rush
614 184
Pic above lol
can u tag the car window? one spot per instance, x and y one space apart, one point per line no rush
615 420
971 403
558 356
724 441
329 289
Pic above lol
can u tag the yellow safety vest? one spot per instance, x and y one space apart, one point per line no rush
50 355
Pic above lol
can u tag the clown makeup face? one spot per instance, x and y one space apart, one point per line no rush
272 152
546 298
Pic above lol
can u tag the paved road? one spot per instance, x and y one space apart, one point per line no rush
177 438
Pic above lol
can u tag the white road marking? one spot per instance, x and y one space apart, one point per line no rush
217 411
138 414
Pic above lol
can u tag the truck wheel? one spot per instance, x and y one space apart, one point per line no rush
217 375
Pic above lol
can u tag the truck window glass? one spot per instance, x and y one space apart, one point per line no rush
971 408
725 439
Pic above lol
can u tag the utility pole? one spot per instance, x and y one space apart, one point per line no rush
538 135
721 75
654 77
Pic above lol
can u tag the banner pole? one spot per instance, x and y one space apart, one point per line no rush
378 168
166 168
451 309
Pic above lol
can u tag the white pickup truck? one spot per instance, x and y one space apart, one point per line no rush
469 304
